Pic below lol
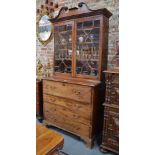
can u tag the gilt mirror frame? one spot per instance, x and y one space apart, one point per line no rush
44 42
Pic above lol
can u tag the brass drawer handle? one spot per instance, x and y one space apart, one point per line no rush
76 92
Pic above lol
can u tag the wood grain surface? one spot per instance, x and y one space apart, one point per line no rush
48 142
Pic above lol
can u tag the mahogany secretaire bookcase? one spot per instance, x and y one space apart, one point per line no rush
71 96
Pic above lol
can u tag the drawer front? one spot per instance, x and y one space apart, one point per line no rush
57 110
66 123
67 90
80 108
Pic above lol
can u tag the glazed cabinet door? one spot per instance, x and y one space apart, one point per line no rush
88 39
63 37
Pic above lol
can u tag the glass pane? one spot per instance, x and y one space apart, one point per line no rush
45 28
63 48
87 47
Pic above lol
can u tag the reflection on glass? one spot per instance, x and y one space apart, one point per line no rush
45 28
87 43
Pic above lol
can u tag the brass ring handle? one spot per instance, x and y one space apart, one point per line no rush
77 92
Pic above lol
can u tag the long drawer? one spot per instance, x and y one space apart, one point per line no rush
67 90
61 111
67 124
80 108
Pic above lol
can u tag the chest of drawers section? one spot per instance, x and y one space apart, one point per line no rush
71 107
110 140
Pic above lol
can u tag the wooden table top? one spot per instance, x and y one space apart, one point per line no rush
47 140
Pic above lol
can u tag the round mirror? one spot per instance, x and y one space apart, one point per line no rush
44 28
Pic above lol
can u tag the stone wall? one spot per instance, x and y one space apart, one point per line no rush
45 53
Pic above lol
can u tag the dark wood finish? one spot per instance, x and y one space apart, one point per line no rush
48 142
73 99
39 100
110 141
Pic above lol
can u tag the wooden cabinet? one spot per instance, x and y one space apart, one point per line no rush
39 101
110 139
73 106
72 96
80 42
